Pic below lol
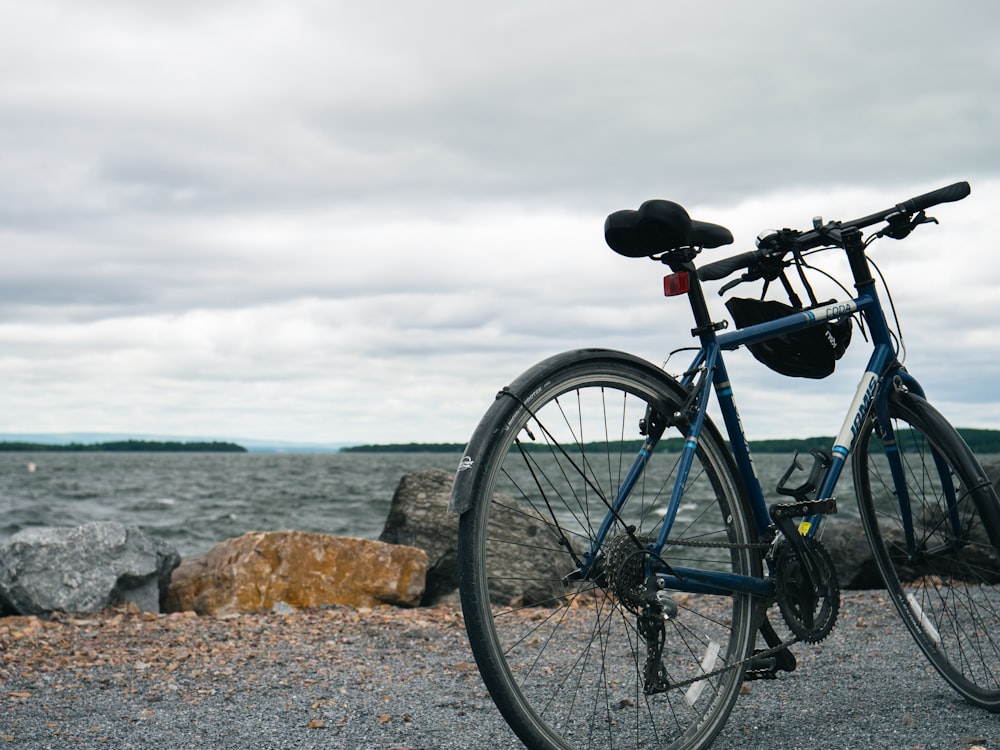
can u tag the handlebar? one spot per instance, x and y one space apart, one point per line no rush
821 236
947 194
720 269
829 234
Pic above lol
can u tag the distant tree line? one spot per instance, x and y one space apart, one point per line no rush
980 441
123 446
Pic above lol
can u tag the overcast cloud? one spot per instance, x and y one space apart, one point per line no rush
353 222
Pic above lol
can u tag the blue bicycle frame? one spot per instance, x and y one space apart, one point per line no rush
881 375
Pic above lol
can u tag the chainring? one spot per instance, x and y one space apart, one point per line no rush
809 608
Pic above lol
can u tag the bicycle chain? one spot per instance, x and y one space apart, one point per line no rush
718 545
736 665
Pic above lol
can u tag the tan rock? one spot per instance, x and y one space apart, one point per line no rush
254 572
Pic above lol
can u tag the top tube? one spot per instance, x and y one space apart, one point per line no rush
797 321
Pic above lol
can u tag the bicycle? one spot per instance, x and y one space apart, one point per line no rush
660 559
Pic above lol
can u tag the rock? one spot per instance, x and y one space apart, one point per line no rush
260 572
847 544
845 540
83 569
419 517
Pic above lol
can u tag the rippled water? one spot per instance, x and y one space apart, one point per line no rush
194 500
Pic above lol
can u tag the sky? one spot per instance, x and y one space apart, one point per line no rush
324 221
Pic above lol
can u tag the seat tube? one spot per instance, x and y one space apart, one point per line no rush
687 454
705 331
739 445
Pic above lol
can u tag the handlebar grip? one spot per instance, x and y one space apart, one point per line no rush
720 269
942 195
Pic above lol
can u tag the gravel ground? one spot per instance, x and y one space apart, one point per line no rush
405 680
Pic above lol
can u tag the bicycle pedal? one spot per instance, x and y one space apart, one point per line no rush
782 511
767 667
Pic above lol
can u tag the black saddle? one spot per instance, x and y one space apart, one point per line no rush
660 226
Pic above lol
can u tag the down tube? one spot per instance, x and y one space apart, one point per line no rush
845 442
862 402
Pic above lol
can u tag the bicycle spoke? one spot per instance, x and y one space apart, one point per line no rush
577 655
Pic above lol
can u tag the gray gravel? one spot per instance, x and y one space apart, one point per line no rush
405 680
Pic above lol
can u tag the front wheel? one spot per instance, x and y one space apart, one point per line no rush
567 660
934 529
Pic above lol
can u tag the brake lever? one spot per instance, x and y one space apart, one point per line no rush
900 224
768 268
736 282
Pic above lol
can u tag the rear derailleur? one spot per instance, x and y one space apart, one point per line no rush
652 620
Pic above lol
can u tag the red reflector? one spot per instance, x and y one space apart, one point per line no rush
676 283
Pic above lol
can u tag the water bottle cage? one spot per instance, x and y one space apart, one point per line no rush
806 491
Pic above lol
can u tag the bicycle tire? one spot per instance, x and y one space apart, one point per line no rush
565 666
948 589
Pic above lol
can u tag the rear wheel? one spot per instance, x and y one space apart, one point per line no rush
566 663
938 552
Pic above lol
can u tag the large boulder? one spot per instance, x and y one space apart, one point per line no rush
83 569
419 516
845 540
261 572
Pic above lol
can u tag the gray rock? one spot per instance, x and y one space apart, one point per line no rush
419 517
83 569
845 540
847 544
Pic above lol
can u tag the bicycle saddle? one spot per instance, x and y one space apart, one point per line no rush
660 226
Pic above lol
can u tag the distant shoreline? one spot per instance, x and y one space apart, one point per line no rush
979 440
124 446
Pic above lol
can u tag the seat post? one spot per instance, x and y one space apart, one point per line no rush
704 328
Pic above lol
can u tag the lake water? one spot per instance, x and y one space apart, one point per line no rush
194 500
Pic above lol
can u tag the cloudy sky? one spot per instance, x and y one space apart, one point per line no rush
325 221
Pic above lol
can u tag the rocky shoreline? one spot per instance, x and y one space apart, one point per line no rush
413 563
